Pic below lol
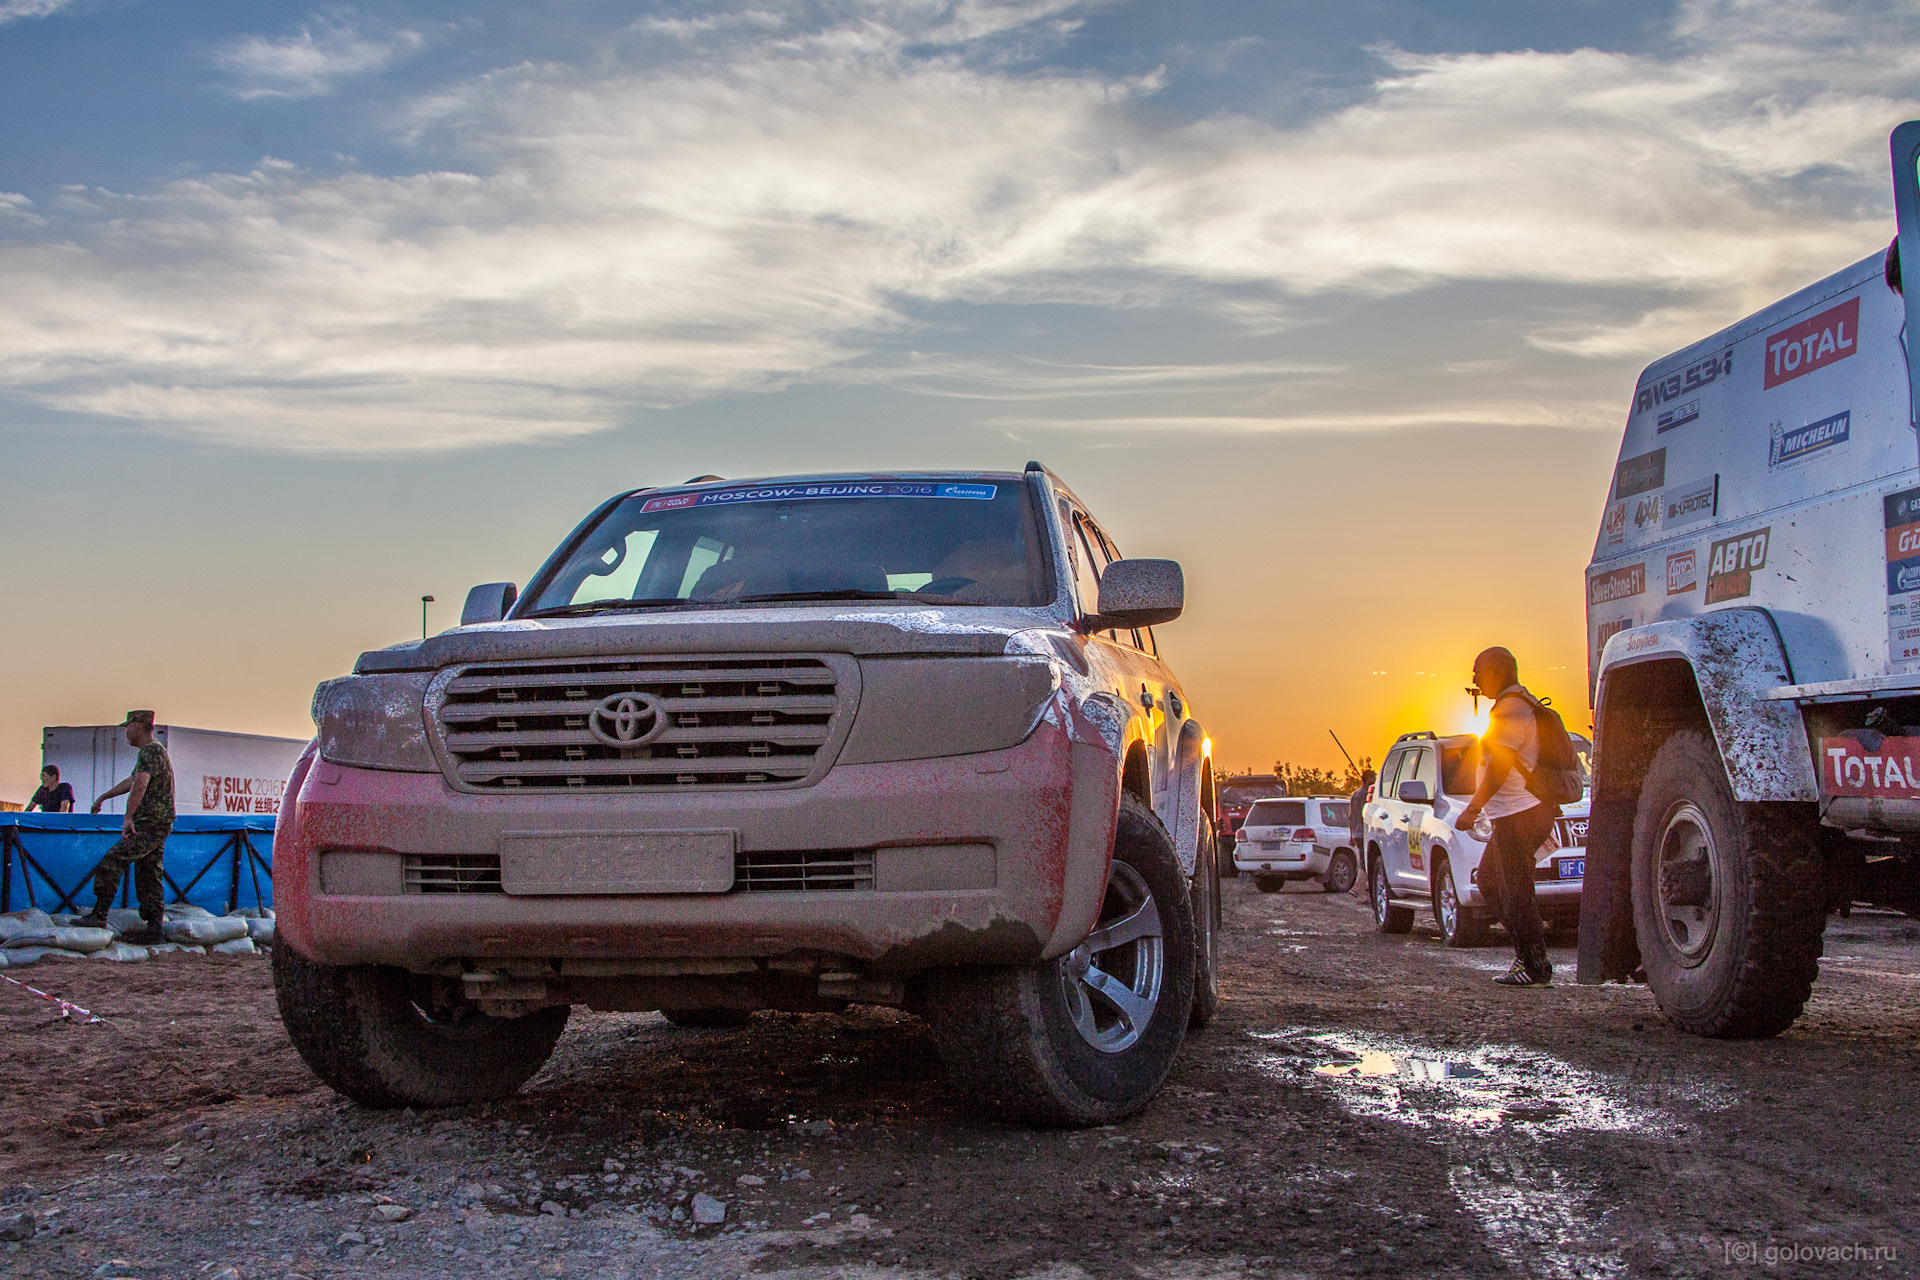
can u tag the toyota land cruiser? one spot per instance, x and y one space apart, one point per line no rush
900 739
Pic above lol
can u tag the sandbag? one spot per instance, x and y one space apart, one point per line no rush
18 956
163 948
27 920
261 931
234 947
121 951
206 933
187 911
68 939
125 920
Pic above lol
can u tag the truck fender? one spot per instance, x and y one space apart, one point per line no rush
1736 656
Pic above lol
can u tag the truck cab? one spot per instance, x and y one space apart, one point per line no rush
1753 616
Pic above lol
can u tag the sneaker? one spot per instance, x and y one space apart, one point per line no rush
1521 976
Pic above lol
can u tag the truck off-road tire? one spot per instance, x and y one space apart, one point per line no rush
1728 898
1388 916
1460 925
366 1030
1206 924
707 1018
1342 872
1042 1043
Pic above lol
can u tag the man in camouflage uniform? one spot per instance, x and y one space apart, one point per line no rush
143 833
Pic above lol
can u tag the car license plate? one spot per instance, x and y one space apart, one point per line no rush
616 862
1572 868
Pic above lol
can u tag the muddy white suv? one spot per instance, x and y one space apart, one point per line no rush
899 739
1301 838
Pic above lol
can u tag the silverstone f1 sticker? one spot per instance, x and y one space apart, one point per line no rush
799 492
1616 584
1731 562
1825 438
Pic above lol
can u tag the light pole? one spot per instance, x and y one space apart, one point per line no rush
424 602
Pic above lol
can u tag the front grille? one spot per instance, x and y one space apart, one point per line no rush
638 723
805 871
453 873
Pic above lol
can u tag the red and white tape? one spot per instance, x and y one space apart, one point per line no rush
67 1007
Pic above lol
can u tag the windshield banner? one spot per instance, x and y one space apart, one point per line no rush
796 492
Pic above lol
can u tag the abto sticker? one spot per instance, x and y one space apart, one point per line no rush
1827 437
802 492
1731 563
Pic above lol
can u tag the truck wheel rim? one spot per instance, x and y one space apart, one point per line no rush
1342 873
1687 883
1113 979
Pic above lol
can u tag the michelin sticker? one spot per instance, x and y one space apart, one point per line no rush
1903 579
1825 438
799 492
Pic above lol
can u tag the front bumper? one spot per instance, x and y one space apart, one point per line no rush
1045 808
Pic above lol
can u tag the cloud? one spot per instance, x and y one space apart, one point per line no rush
312 63
777 202
14 10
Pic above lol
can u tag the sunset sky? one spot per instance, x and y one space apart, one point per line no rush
308 311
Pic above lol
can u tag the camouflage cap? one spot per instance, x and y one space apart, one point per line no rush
142 717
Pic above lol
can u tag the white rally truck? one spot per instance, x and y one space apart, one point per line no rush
1753 615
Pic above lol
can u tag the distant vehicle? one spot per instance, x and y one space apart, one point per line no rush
1415 858
1753 616
1297 839
1237 795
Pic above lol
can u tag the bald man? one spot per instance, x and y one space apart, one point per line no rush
1521 820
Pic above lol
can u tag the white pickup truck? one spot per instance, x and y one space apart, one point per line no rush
1753 613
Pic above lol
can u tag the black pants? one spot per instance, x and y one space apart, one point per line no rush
1506 877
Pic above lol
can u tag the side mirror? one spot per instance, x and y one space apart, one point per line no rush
488 602
1139 593
1415 793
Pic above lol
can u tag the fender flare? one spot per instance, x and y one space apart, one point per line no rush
1190 767
1736 656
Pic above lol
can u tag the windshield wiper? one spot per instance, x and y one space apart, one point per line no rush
606 606
842 593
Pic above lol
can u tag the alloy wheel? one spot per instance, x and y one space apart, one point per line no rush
1113 979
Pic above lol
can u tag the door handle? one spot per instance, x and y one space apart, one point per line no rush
1146 697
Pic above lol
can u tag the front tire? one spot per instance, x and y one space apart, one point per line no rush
1087 1038
1388 916
388 1038
1460 925
1728 898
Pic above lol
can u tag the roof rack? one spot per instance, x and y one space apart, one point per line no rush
1416 734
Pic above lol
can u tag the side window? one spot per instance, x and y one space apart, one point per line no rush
1387 785
1105 554
1425 769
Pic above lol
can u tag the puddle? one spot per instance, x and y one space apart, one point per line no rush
1485 1087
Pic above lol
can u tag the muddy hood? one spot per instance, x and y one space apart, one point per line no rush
856 629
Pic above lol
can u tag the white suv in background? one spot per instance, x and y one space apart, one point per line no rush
1299 838
1415 858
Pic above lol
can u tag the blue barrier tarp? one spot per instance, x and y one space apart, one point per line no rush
217 861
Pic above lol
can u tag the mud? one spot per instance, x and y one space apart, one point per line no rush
1364 1105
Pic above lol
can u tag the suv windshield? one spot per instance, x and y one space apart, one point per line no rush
1460 766
963 543
1278 813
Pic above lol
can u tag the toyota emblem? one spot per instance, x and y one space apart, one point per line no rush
628 719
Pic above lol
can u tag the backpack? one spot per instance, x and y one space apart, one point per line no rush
1557 778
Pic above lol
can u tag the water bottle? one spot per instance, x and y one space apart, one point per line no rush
1482 828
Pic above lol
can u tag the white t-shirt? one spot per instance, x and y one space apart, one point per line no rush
1512 725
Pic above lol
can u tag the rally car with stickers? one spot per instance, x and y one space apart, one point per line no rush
1753 613
902 739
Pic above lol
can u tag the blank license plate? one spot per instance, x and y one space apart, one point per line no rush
616 862
1572 868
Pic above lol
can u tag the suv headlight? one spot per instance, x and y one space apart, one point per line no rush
375 722
919 708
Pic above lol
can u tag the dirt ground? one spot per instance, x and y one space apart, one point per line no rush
1365 1105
